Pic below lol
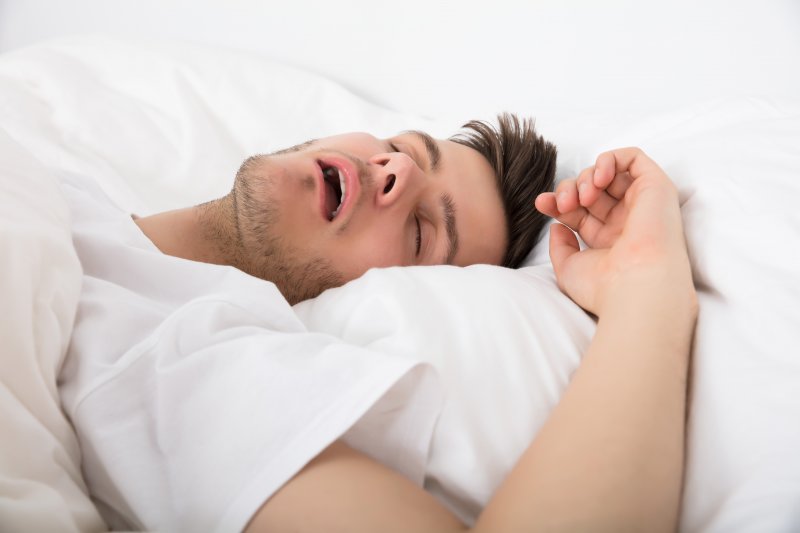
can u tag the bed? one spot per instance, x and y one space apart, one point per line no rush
712 92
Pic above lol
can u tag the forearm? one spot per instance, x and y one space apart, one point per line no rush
611 455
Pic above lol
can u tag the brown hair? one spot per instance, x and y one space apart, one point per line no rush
525 165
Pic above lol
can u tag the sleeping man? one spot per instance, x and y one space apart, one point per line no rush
202 403
319 214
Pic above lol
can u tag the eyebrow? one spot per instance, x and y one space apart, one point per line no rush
448 206
449 209
434 154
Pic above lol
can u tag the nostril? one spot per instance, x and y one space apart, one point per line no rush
389 185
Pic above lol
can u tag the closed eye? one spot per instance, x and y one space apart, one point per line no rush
419 235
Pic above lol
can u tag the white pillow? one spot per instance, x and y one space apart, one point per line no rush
41 488
505 343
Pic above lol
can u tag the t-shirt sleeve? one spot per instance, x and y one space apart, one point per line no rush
200 423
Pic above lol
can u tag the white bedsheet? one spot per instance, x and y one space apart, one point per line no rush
163 126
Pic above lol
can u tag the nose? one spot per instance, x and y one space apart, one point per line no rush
395 176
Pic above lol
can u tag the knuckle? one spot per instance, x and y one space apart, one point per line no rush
565 185
586 175
641 153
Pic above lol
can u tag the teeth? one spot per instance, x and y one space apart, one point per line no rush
332 172
343 187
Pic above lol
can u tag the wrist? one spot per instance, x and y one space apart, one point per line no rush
667 291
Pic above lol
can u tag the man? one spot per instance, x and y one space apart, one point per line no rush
202 403
320 214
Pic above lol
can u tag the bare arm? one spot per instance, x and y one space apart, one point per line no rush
611 455
610 458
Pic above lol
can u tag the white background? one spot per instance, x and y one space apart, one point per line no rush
462 60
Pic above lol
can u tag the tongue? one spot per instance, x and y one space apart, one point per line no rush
331 200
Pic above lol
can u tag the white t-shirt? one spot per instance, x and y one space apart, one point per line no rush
196 393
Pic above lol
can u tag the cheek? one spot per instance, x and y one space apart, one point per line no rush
357 254
295 203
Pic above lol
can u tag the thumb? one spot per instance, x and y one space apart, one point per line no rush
563 244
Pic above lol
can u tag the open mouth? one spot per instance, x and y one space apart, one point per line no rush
335 189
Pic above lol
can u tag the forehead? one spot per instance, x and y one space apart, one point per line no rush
481 222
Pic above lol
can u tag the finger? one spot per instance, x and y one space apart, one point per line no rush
563 244
632 160
602 206
545 203
575 219
567 196
563 206
587 192
594 231
605 169
619 185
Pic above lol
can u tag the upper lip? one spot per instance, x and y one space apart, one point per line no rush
349 173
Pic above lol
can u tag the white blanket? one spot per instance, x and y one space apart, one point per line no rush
162 126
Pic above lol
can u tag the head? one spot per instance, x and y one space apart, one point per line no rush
322 213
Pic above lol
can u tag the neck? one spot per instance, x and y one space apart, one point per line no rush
205 233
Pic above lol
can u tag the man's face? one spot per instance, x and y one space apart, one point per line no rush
347 203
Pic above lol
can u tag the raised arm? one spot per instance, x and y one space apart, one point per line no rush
610 457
